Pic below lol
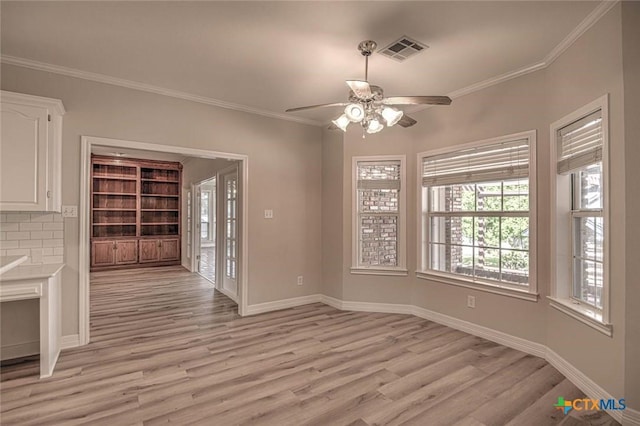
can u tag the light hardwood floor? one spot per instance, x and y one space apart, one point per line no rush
166 348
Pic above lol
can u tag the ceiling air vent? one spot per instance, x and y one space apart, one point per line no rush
403 48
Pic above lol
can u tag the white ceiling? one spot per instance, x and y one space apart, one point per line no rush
271 56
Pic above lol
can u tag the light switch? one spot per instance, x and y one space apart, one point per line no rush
69 211
268 214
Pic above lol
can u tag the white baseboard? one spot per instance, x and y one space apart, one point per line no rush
630 417
589 387
69 341
19 350
578 378
500 337
276 305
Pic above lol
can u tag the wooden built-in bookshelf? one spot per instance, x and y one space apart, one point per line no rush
135 212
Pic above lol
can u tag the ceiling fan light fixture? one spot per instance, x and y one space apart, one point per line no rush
391 115
354 112
342 122
374 126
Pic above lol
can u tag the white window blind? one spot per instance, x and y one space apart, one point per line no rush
580 143
499 161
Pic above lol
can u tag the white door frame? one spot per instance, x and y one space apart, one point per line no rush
86 143
195 228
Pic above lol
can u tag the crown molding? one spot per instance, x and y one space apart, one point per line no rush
130 84
588 22
603 7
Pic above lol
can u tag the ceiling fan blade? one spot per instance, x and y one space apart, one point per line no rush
417 100
406 121
332 127
360 88
317 106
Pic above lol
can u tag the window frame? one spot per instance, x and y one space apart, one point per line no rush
563 228
356 267
529 292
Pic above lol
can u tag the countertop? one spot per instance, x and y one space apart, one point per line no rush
31 272
9 262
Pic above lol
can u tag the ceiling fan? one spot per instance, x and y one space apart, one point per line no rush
368 106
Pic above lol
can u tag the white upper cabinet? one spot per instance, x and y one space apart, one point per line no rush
30 152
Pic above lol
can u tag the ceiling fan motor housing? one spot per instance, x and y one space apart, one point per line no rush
367 47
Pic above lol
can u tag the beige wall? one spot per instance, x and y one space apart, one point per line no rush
284 172
631 70
587 70
332 207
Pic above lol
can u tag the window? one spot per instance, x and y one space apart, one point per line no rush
580 287
478 215
378 221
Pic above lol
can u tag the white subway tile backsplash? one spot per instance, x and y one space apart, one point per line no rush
28 226
10 244
53 226
18 235
39 236
52 243
30 243
52 259
18 217
42 235
42 217
6 226
19 252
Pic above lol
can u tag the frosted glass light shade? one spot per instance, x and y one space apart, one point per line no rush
374 126
391 115
342 122
354 112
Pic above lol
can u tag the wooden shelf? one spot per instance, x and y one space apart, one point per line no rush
135 213
159 180
115 177
116 193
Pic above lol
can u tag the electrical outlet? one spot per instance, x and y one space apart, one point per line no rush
268 214
300 280
69 211
471 301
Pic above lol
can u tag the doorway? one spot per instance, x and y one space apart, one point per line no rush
238 244
206 257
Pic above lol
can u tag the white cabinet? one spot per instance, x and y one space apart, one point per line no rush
30 152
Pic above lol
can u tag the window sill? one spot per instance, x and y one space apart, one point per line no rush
489 288
582 313
393 272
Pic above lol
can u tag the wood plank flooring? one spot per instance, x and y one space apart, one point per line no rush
166 348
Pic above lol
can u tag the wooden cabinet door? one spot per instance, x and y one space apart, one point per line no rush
149 251
103 253
170 249
126 252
